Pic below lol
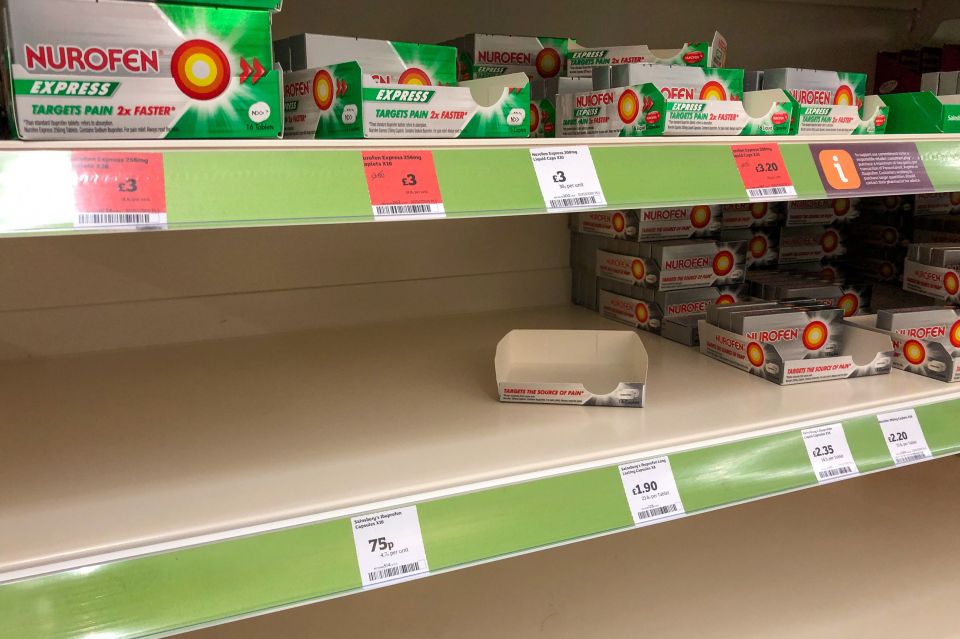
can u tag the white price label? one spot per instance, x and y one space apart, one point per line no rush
651 490
568 180
904 437
389 546
829 453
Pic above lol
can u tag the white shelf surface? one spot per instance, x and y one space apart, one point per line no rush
117 454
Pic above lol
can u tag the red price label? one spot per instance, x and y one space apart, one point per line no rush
763 171
402 184
116 188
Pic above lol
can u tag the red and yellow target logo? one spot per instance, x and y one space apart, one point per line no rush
628 106
548 62
713 90
955 334
914 352
700 216
534 117
830 242
642 313
815 335
841 207
829 274
723 263
619 222
758 210
955 198
951 283
415 76
887 271
638 269
844 95
200 69
755 354
849 303
758 246
323 90
725 300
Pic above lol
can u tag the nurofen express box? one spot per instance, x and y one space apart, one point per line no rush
343 101
674 264
862 353
820 212
658 223
751 214
580 368
938 282
681 83
640 309
935 358
482 55
388 62
642 110
829 101
543 102
115 69
582 60
923 112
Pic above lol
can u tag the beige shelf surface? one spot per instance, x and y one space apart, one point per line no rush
873 557
117 451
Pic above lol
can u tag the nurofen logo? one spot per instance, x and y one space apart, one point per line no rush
619 222
779 117
700 217
830 241
713 90
642 313
323 89
758 246
841 206
951 283
548 62
692 57
914 352
725 300
844 95
534 117
638 269
755 354
723 263
515 58
955 334
200 69
45 57
414 76
758 210
849 303
815 335
594 99
628 106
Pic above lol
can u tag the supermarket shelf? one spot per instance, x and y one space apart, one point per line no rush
223 184
233 466
864 555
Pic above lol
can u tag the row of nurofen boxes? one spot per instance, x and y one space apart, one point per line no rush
933 270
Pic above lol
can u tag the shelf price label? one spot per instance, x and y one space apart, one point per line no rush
568 179
763 171
904 437
403 185
829 453
651 490
117 189
389 546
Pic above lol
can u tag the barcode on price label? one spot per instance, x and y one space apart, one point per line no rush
772 192
914 457
400 210
389 546
904 437
651 490
567 202
567 178
121 219
829 452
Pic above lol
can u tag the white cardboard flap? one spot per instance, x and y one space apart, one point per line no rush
759 104
602 368
488 91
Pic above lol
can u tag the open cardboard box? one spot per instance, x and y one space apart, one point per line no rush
863 353
582 368
923 112
929 358
343 101
841 119
934 281
582 60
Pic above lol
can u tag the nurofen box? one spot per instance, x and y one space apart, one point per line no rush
937 203
543 102
751 214
622 225
582 60
821 212
113 69
672 222
388 62
343 101
763 244
640 309
935 323
861 353
830 101
935 281
482 55
675 264
810 244
681 83
642 110
798 333
935 358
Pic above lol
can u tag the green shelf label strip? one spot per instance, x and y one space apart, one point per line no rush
190 587
220 188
